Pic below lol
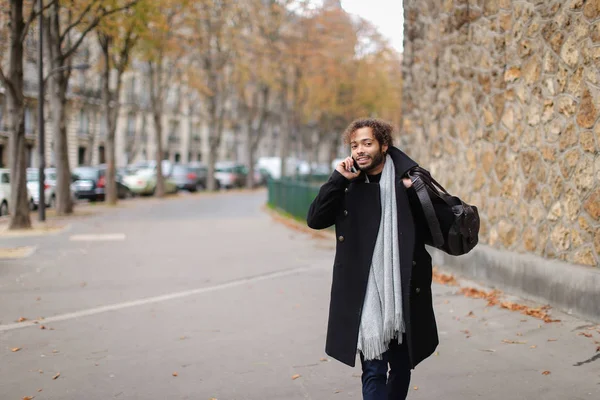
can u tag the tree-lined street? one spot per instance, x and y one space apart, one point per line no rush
206 296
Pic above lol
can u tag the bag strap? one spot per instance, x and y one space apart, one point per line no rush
434 225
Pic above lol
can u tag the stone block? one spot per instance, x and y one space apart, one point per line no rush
560 238
592 205
588 113
568 138
555 212
588 141
569 52
583 176
584 256
591 10
569 161
566 105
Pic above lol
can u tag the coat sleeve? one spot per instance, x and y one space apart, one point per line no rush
443 211
324 208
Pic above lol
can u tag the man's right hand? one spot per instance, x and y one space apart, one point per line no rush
345 168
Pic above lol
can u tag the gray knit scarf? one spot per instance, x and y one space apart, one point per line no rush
381 319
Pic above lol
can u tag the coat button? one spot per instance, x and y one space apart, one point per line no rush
414 263
418 290
346 190
345 213
341 238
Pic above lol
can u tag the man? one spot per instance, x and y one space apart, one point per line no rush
381 305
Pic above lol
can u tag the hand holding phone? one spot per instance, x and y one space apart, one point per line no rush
348 168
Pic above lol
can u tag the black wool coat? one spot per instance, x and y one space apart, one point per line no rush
355 209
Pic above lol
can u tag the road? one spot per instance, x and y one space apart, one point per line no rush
207 297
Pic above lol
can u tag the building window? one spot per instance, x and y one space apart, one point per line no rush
101 155
103 128
1 114
84 123
177 157
28 120
131 90
174 132
81 155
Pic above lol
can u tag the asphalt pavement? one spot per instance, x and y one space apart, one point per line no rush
206 296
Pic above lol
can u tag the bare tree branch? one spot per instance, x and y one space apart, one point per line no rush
90 27
34 14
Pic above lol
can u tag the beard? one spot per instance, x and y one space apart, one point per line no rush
376 161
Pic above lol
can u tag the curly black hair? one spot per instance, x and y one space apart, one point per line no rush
382 130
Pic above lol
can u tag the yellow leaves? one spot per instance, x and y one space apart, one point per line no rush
15 349
55 377
22 319
546 373
294 377
175 374
513 341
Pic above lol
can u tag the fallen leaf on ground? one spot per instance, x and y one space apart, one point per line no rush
587 335
437 353
443 279
42 327
491 297
28 397
15 349
546 373
597 349
519 334
323 359
295 377
55 351
338 391
39 390
22 319
416 388
533 347
488 350
552 340
83 284
55 377
471 314
175 374
38 299
513 341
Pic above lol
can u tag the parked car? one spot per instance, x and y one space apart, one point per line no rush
143 182
90 184
5 193
33 180
188 177
230 174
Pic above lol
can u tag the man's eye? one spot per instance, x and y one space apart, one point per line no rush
368 144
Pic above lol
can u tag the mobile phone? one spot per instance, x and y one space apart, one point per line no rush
354 169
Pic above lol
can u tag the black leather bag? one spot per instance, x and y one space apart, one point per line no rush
464 228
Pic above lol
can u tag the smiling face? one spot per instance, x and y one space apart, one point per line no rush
367 151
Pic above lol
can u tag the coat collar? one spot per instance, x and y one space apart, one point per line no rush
402 163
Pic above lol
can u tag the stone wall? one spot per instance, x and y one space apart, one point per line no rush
501 103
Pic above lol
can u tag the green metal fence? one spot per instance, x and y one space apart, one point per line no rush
292 196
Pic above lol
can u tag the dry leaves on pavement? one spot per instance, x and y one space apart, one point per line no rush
513 341
546 373
55 377
443 279
15 349
295 377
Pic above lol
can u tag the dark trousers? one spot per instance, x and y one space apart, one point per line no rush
376 384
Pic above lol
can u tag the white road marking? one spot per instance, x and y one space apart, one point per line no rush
156 299
98 237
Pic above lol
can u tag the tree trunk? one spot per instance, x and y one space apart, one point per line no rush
64 202
111 120
160 181
250 155
19 201
211 184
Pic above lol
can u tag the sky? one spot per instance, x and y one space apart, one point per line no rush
386 15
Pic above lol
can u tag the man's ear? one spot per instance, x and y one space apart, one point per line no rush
384 148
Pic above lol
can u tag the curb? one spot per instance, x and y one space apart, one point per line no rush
571 288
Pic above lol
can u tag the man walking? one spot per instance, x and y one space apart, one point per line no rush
381 305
